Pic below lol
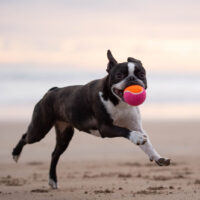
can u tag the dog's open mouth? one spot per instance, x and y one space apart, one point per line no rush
118 92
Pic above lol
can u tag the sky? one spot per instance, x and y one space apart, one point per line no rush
164 35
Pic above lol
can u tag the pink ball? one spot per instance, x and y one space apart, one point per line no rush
134 95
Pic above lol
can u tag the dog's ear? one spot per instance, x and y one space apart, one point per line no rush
112 62
130 59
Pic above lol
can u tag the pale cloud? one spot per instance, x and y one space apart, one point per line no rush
163 34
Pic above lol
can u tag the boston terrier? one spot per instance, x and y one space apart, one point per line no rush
96 108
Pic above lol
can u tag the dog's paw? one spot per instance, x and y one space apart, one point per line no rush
163 161
16 154
138 138
53 184
16 158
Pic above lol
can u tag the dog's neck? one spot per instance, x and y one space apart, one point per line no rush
107 93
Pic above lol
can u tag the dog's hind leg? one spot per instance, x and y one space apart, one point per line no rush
42 122
64 134
18 149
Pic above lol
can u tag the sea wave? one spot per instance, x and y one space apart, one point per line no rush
25 86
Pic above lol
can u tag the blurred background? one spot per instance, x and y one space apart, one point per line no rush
47 43
58 43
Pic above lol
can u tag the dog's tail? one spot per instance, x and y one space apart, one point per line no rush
53 88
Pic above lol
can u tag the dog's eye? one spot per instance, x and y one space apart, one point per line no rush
141 75
119 76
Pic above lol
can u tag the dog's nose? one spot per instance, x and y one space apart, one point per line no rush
131 78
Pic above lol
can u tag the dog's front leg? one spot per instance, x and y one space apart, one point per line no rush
116 131
153 154
138 138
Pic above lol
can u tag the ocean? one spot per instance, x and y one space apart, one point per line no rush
23 87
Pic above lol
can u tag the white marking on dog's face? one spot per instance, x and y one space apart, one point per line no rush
131 72
123 83
131 68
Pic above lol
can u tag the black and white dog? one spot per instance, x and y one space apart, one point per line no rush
96 108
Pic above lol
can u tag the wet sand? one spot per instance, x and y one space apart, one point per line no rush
95 168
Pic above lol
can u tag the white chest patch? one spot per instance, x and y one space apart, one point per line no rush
123 115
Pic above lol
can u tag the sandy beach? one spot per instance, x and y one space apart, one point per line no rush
94 168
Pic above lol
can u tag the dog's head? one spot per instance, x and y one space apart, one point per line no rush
122 75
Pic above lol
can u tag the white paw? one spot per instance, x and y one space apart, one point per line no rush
154 156
53 184
138 138
16 158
